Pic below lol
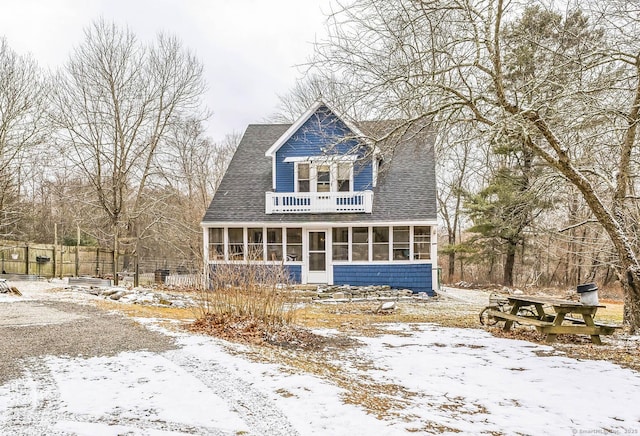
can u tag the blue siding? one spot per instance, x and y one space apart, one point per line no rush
362 176
295 273
320 134
416 277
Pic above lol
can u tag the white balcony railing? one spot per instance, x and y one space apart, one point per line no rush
319 202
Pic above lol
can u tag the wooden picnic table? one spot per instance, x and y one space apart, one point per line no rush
553 324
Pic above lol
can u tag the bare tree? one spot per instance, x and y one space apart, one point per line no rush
21 128
309 89
114 104
454 61
190 168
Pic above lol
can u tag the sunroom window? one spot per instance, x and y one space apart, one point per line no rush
216 243
360 244
236 244
401 243
274 244
422 242
256 247
294 244
341 243
381 243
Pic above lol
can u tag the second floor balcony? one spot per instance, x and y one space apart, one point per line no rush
319 202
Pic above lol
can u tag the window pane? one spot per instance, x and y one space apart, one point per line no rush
316 241
256 248
340 243
343 186
294 252
422 242
303 186
340 252
216 243
323 178
294 236
344 171
216 235
360 234
401 243
381 234
360 245
255 235
317 261
236 244
360 252
274 244
303 171
324 175
303 177
401 234
341 234
380 251
294 244
381 243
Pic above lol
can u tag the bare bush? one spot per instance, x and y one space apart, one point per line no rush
248 295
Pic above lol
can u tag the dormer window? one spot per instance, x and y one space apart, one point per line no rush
321 175
323 178
303 179
344 173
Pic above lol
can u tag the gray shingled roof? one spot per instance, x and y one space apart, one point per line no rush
406 187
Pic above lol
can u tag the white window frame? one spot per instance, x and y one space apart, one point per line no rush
333 171
296 180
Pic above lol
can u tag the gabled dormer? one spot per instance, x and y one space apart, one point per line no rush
321 164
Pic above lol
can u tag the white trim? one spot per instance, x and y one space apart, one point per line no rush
273 174
205 255
374 170
381 262
320 224
330 158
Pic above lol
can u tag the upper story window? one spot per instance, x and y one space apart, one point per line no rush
324 176
343 176
303 182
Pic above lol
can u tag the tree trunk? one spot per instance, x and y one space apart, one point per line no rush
631 285
116 257
452 265
509 263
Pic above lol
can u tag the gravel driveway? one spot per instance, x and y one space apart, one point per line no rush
35 328
47 325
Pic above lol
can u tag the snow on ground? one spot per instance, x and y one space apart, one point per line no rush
463 380
457 381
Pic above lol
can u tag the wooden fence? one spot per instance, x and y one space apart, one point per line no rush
48 260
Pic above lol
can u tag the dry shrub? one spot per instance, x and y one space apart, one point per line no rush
255 294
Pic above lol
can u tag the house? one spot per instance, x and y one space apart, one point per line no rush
330 204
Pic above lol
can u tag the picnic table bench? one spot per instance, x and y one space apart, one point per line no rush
552 324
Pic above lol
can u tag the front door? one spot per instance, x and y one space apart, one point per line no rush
317 261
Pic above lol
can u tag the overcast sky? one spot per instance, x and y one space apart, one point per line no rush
249 48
